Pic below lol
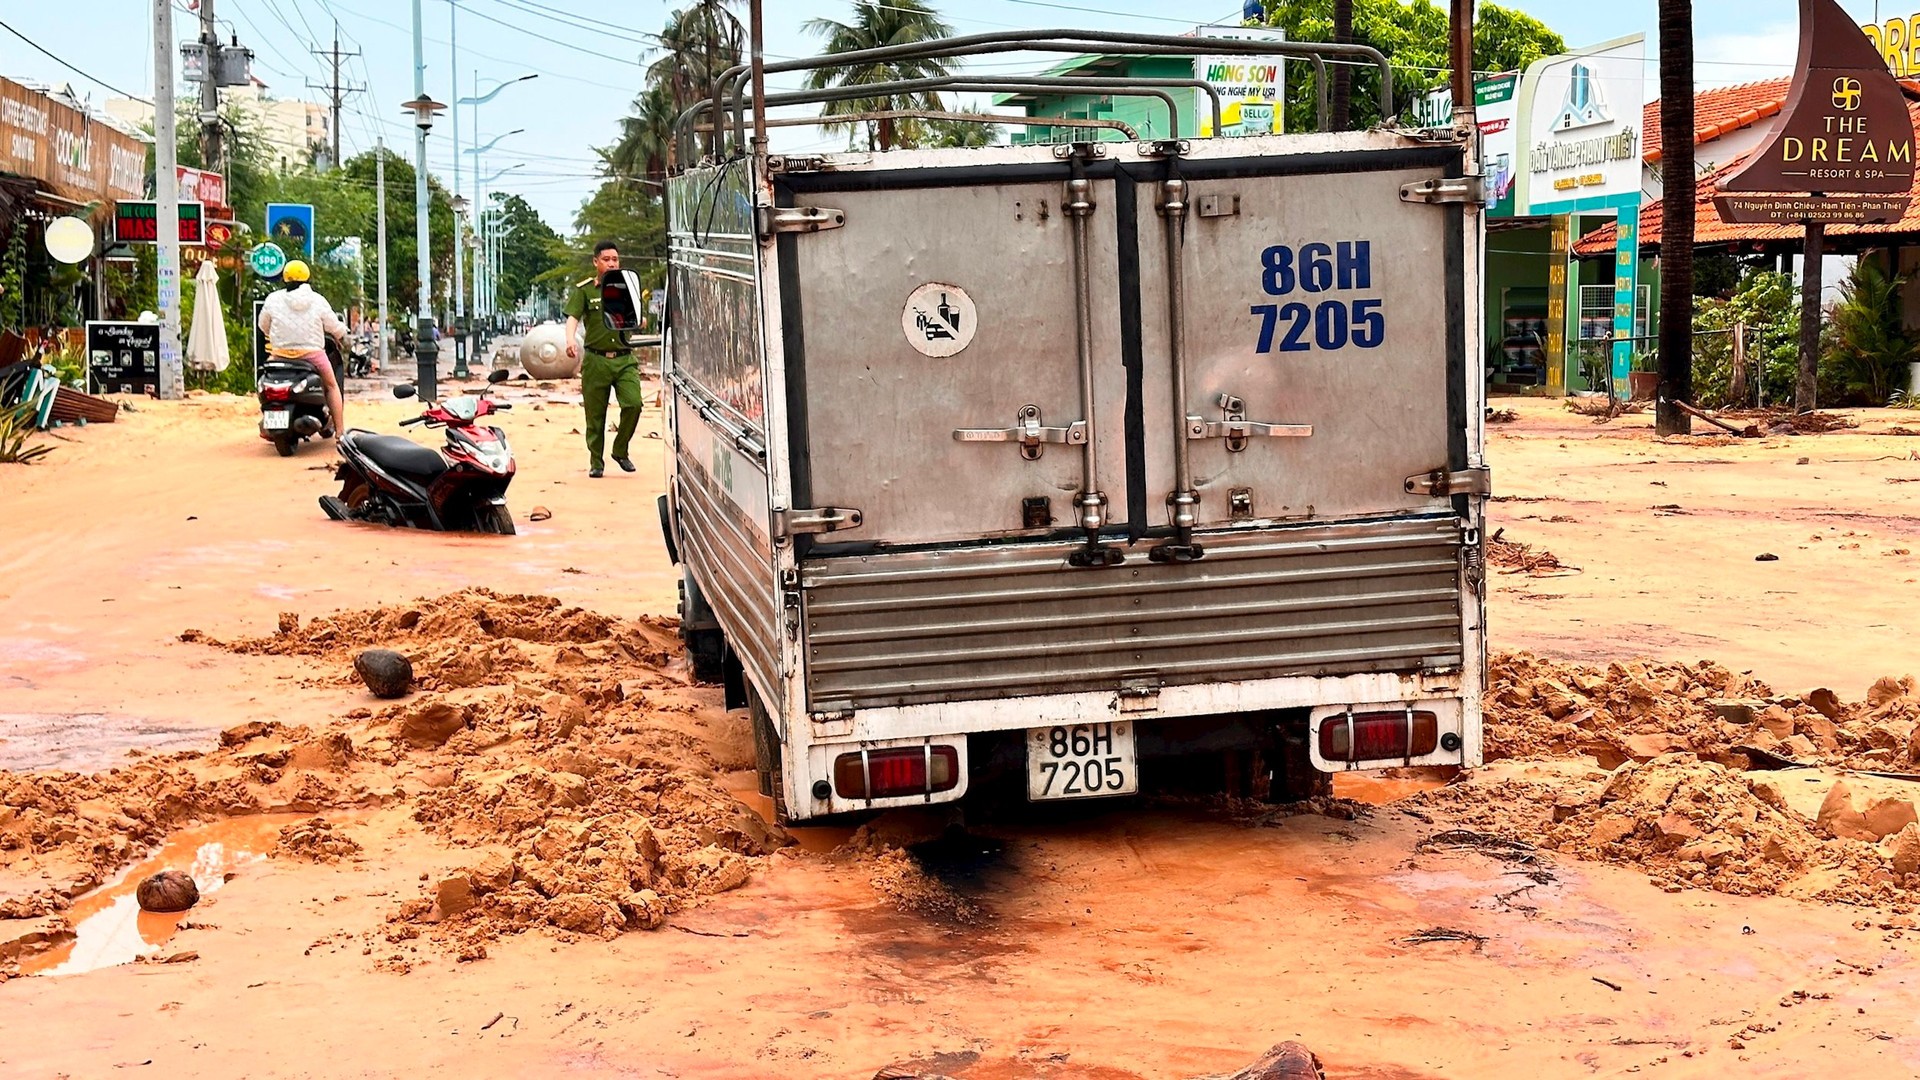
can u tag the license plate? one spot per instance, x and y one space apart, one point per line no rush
276 420
1081 761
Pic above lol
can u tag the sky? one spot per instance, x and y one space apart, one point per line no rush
589 65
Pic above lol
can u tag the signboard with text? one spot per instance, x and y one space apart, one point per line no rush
1580 116
77 156
138 222
1842 152
1496 102
1252 89
123 357
201 186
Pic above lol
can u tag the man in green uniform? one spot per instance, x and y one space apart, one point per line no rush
609 365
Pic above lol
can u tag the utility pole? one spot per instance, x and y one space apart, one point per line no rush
210 148
380 211
426 351
335 89
166 183
461 347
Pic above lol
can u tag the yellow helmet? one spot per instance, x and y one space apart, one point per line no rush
296 271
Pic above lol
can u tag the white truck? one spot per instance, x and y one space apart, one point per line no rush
1080 467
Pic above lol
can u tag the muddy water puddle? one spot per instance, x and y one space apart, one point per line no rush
89 741
815 839
109 927
1392 785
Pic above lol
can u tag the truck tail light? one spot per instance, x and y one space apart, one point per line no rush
1378 736
896 772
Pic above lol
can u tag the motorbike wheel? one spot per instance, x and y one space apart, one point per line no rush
495 519
285 445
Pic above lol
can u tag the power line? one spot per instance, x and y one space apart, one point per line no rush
40 49
552 40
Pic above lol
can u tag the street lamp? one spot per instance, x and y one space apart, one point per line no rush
474 101
483 300
426 354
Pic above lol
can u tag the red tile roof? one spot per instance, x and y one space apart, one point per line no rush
1708 229
1720 111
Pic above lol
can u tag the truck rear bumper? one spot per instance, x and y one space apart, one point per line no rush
811 788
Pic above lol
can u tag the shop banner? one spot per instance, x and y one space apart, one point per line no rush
1580 116
1626 281
76 156
1252 89
123 357
1496 103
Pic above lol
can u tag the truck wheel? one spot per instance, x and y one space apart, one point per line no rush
706 644
766 755
1294 777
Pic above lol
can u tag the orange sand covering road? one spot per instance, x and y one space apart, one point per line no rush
1477 930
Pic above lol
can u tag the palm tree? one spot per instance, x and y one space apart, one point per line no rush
697 44
645 147
877 25
963 133
1676 217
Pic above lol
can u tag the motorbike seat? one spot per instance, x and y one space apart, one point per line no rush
402 457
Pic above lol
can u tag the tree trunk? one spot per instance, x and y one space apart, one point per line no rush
886 133
1676 211
1342 72
1806 387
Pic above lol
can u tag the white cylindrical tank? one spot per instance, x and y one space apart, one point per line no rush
544 353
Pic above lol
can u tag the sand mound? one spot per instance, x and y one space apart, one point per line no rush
1638 710
1672 794
316 841
555 738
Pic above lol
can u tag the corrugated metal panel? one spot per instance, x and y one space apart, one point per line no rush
913 627
734 571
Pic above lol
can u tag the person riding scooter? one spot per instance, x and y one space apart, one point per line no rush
297 322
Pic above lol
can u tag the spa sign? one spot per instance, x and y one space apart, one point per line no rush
1843 152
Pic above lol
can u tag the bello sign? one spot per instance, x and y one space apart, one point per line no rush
1843 150
1495 102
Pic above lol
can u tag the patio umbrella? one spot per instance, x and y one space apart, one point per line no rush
207 338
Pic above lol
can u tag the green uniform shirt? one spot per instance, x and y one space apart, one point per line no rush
583 303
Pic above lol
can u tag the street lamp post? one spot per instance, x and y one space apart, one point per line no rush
484 299
474 102
426 352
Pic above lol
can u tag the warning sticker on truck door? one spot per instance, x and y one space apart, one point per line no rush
939 319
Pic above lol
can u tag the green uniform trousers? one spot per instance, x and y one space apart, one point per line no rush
619 375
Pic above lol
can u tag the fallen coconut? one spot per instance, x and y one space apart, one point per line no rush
167 891
387 673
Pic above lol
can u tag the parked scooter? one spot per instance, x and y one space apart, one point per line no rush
293 400
359 360
396 481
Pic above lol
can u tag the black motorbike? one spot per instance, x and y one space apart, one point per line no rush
293 400
386 479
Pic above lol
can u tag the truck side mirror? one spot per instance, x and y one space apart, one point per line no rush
620 303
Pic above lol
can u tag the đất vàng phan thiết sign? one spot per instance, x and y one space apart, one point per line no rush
1843 151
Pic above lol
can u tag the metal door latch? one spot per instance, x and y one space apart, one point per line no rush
1028 432
799 219
1453 189
1234 426
1442 483
1137 694
821 519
